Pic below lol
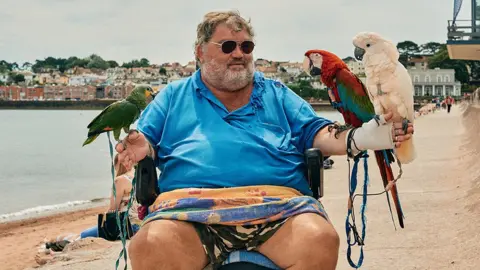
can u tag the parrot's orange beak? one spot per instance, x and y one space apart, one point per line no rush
150 93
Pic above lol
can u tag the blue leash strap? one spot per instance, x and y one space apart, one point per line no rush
122 230
351 228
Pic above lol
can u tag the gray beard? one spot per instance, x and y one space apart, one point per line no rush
222 78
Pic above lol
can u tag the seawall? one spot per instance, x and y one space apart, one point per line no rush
99 104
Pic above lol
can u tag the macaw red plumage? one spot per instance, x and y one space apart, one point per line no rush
349 96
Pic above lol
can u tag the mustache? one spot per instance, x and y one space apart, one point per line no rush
239 61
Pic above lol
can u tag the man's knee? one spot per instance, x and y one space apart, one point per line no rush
321 233
171 242
327 237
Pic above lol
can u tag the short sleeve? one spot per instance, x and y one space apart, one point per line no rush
152 120
304 121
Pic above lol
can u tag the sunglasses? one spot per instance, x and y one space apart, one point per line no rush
229 46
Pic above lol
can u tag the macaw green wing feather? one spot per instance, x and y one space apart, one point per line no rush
354 96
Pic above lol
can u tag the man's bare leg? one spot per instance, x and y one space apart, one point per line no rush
306 241
166 244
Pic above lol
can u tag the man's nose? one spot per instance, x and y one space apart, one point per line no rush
237 53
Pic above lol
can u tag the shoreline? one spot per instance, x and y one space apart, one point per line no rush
48 218
51 210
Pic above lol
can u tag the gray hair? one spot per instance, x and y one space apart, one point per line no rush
212 19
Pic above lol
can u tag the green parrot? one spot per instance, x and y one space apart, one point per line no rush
120 114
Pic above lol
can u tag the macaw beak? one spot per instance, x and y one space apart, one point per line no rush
358 53
306 64
310 68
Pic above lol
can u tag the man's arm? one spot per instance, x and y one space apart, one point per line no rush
330 145
372 135
311 130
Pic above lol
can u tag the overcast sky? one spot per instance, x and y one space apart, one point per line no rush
164 31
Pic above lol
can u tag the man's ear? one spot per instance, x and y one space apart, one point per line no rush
199 53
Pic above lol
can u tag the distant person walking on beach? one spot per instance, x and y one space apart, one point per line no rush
123 187
449 101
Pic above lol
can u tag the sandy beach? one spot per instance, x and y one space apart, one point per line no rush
21 239
439 191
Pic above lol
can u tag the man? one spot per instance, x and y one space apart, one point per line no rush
227 129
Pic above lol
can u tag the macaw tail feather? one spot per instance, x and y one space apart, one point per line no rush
384 159
90 139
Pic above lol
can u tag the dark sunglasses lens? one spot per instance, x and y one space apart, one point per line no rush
247 47
228 46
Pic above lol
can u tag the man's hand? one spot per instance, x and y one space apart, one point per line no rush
132 149
379 133
398 134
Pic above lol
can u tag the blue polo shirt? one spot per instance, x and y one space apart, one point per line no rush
200 143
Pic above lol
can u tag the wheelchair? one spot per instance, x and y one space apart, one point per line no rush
147 191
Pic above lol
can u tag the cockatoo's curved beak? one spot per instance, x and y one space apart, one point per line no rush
358 53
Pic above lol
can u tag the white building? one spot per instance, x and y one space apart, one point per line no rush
435 82
84 79
356 67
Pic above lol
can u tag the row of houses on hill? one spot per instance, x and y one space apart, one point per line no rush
116 83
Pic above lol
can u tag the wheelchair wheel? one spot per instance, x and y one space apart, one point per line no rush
243 266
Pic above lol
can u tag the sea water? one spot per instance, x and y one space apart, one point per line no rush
44 168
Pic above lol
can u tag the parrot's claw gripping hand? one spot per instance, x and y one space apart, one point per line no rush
338 128
405 123
377 119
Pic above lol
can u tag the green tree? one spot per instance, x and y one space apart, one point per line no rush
474 70
97 62
442 60
407 49
17 78
162 71
112 64
144 62
137 63
430 47
6 66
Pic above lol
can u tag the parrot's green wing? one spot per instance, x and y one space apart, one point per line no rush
354 96
116 116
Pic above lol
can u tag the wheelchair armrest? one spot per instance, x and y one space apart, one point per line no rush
146 187
314 171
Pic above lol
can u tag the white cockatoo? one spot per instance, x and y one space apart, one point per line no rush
388 83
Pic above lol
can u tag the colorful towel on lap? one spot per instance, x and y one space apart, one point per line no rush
249 205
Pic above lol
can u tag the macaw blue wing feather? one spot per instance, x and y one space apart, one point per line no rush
354 97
